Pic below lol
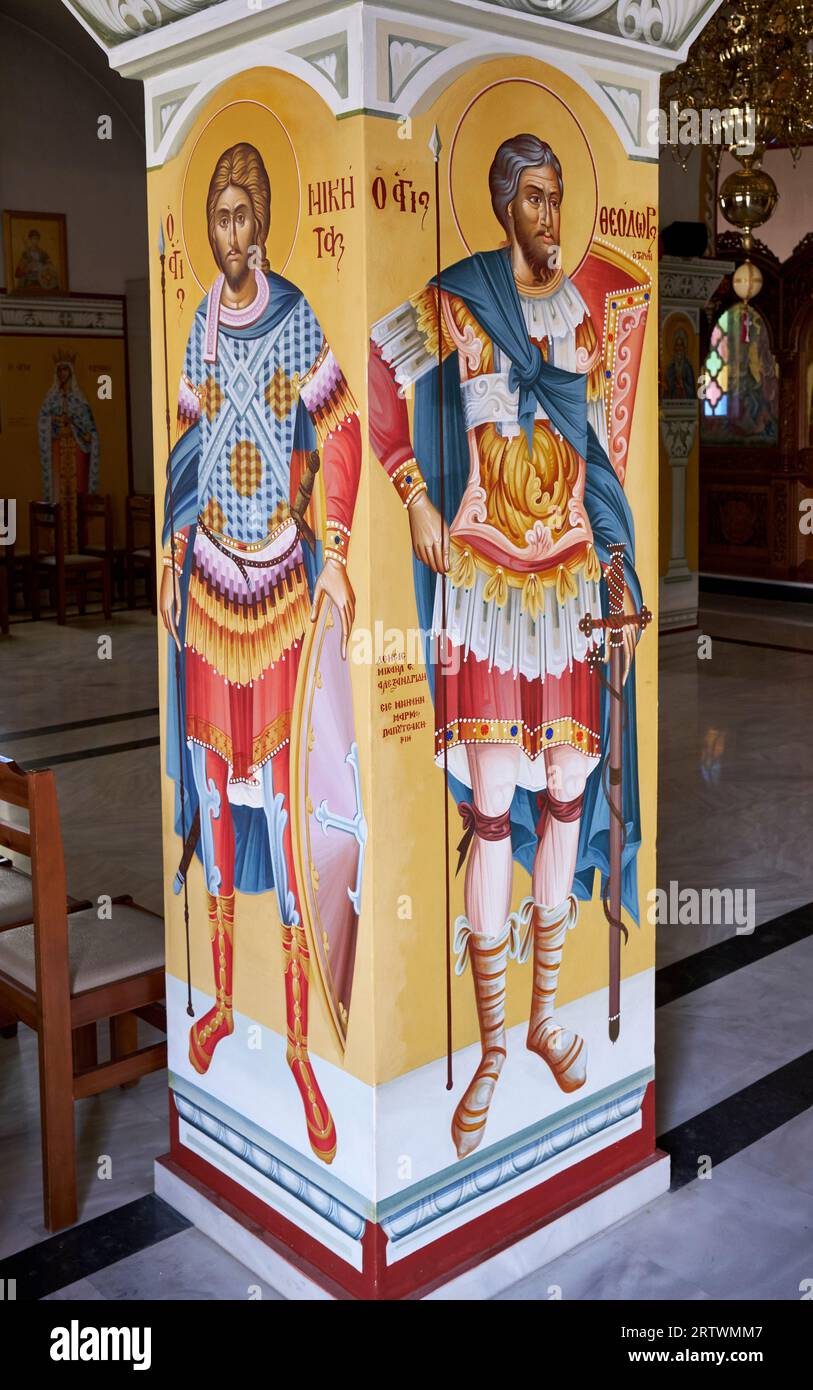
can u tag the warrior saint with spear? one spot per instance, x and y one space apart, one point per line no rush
513 508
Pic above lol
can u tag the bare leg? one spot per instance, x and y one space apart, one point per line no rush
484 934
555 861
489 871
555 913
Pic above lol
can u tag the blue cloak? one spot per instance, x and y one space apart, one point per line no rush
252 867
485 283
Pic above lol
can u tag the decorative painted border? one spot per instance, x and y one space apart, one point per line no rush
295 1184
497 1172
78 317
403 1221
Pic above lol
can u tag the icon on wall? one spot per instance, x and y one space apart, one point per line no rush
36 252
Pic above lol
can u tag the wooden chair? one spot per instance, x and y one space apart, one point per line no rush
60 975
71 571
140 517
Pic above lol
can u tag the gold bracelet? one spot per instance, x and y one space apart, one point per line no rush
408 481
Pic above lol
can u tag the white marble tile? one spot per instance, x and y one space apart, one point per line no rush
185 1267
729 1235
716 1040
83 1291
602 1269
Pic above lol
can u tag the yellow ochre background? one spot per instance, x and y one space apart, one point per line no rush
397 1017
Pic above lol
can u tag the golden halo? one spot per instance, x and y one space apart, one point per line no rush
257 124
514 106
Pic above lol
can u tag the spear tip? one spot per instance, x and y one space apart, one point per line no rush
161 243
435 143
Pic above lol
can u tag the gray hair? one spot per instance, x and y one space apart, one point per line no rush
512 158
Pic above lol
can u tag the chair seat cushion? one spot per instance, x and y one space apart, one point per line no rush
129 943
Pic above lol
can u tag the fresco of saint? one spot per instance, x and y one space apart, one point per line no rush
680 382
532 504
261 397
69 449
35 270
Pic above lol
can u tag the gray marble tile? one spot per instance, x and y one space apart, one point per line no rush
15 1234
603 1269
720 1038
787 1154
185 1267
728 1236
735 764
80 1292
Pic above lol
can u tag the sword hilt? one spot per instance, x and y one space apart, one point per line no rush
614 577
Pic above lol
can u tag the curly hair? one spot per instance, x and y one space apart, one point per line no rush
242 167
512 158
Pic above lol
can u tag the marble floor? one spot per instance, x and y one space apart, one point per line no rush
734 1031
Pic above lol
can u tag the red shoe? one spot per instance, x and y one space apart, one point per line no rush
218 1023
321 1129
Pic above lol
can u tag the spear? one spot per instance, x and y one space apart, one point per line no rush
162 257
435 147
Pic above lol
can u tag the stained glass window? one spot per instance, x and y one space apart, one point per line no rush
741 392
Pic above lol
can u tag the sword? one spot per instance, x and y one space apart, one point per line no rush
613 628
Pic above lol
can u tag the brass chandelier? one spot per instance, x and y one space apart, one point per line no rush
753 62
754 56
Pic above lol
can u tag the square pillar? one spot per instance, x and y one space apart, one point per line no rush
385 1073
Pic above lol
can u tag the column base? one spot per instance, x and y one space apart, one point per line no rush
678 608
476 1261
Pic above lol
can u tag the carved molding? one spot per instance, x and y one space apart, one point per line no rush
573 11
679 432
85 317
662 23
117 20
685 282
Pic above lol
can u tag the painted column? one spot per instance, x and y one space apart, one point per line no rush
686 286
370 1089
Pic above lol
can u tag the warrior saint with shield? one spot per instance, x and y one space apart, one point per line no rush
262 403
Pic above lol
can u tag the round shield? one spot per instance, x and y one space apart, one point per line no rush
328 828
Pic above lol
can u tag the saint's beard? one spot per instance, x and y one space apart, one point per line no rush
237 275
536 253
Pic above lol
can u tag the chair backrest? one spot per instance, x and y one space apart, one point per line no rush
45 526
140 518
95 508
42 844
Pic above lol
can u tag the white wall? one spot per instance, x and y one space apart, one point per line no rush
51 160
